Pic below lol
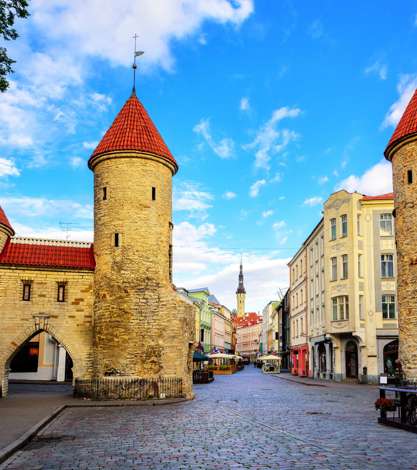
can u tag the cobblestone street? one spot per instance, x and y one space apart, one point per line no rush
248 420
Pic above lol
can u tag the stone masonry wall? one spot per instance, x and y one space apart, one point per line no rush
69 322
143 328
404 159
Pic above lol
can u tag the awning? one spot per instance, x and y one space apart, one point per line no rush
199 357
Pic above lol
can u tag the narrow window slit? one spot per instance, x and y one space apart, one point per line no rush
116 240
153 193
410 176
104 193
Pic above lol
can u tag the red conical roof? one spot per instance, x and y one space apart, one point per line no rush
133 130
4 220
406 126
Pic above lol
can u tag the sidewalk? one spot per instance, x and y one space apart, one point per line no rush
23 408
318 383
29 404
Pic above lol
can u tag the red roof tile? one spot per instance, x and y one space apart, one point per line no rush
133 129
382 197
406 126
48 256
4 220
250 319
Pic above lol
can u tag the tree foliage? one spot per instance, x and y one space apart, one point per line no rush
9 11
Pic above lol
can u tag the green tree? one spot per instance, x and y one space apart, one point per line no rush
9 11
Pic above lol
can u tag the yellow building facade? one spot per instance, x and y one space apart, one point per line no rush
361 325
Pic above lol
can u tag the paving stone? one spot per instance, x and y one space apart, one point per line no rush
245 421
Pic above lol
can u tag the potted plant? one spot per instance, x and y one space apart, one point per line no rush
385 404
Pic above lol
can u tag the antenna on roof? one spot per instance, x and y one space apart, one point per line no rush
134 66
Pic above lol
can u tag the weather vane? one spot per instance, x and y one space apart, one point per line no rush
136 53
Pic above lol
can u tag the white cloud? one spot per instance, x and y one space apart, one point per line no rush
90 145
313 201
78 25
269 140
406 87
323 179
378 69
53 233
267 213
199 263
281 231
223 148
256 187
244 104
37 206
229 195
190 198
8 168
375 181
76 162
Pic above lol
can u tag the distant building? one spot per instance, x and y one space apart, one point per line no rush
248 334
202 294
284 334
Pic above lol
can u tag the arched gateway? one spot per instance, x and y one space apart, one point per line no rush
112 306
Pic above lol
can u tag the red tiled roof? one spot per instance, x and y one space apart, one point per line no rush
382 197
250 319
48 256
133 129
4 220
406 126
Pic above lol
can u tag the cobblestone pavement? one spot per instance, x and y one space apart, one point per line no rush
248 420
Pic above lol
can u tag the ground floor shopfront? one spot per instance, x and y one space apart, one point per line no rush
299 360
354 360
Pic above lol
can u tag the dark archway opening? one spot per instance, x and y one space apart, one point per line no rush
390 356
351 358
40 365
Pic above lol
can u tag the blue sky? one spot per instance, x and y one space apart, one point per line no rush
268 106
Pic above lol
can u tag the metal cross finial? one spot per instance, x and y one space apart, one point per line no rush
136 53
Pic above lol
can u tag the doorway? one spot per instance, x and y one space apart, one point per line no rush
351 358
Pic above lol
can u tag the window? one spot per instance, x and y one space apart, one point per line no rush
387 265
340 307
345 267
202 335
358 224
332 229
360 273
61 297
27 290
388 307
334 268
343 222
385 224
409 176
104 193
361 308
153 193
116 240
170 262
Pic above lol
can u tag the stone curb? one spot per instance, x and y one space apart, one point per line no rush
21 441
294 381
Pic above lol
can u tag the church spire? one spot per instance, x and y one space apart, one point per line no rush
241 287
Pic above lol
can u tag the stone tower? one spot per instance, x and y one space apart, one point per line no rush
241 294
6 230
142 328
402 152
